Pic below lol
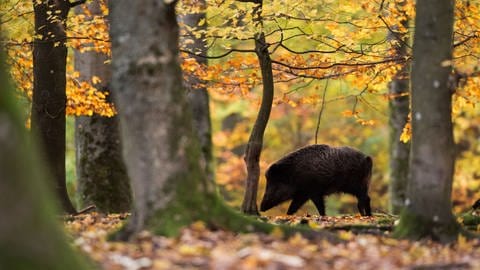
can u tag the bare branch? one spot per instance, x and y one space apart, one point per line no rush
76 3
218 56
388 60
321 110
464 40
250 1
394 33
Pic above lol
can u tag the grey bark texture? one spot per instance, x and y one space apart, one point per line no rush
428 209
399 89
255 142
49 94
160 148
198 97
101 174
30 237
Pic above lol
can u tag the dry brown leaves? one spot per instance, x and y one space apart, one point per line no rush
200 248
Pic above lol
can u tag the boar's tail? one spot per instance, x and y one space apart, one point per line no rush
368 168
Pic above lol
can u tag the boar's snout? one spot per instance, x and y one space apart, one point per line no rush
267 201
265 205
275 194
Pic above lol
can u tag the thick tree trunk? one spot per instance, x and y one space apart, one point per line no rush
30 237
198 97
428 207
399 109
49 96
101 173
255 142
161 149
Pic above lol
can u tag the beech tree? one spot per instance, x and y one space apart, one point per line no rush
49 93
398 90
198 97
255 141
102 178
30 237
428 208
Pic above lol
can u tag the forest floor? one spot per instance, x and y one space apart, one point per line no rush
367 246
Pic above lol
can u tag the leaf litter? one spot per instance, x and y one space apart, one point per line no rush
197 247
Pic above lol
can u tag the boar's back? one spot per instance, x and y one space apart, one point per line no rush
323 166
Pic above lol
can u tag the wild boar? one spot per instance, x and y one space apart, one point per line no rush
315 171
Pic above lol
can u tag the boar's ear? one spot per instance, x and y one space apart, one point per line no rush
277 172
368 163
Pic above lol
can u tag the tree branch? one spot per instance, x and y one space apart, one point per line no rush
218 56
76 3
394 33
250 1
388 60
321 111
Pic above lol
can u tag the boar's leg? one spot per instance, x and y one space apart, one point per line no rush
364 205
297 202
320 204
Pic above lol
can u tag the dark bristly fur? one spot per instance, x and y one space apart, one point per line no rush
315 171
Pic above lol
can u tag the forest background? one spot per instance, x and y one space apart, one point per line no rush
349 55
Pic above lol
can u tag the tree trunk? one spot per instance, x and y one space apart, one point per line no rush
399 151
30 237
428 206
49 96
161 149
255 142
198 97
399 109
101 173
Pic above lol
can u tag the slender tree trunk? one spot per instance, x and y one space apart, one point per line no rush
399 109
198 97
399 151
101 173
428 209
30 237
49 96
255 142
161 149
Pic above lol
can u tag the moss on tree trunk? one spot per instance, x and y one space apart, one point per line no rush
198 96
102 176
30 237
416 227
428 210
101 172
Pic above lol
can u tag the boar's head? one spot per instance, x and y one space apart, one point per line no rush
279 189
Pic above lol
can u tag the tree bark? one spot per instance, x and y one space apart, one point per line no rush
255 142
49 96
198 97
399 109
30 237
427 212
101 173
160 148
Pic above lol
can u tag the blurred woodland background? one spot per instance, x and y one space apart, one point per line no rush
334 65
